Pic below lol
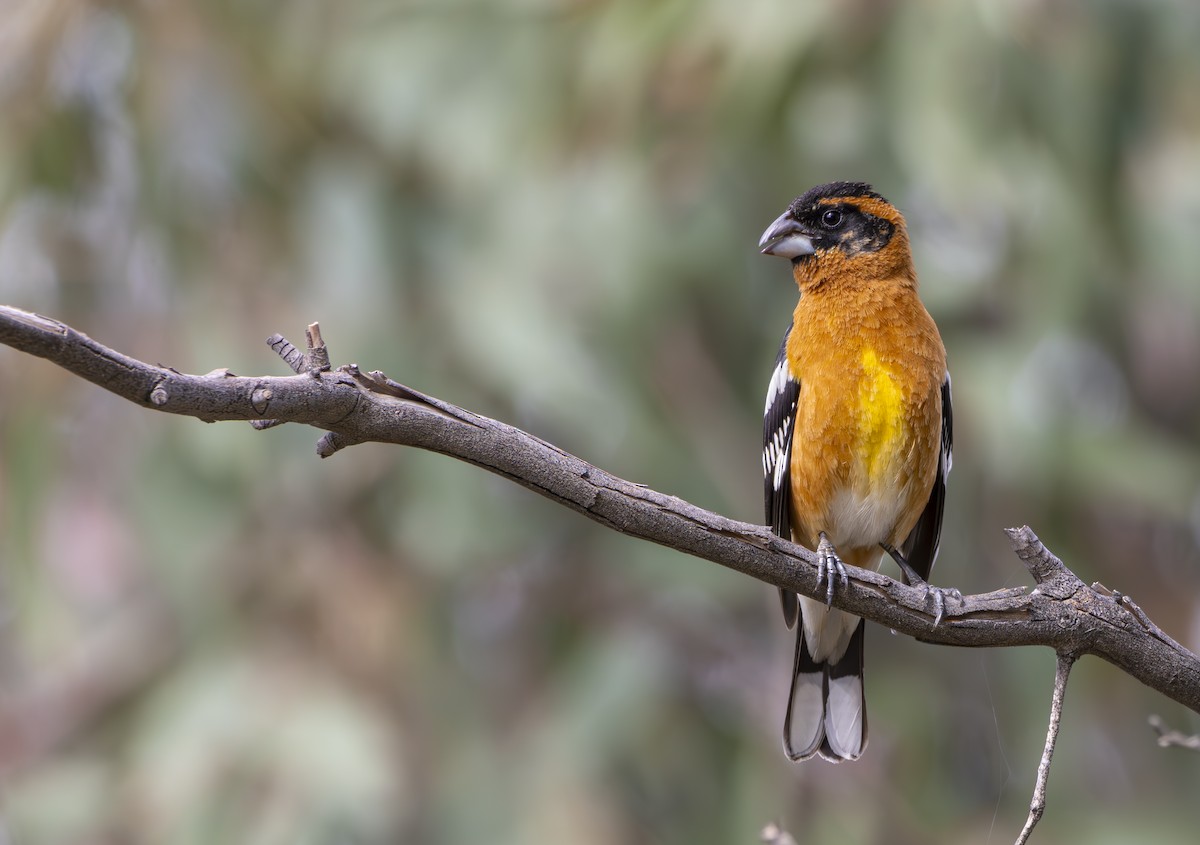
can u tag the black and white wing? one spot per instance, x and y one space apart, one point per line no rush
779 420
921 548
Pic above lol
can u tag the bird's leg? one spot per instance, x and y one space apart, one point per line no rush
910 575
830 568
914 580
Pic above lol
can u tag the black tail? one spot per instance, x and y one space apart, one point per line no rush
827 706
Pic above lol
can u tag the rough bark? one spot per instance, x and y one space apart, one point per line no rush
1059 612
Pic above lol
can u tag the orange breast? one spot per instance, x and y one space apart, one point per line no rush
868 422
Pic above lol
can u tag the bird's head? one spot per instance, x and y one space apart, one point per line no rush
841 231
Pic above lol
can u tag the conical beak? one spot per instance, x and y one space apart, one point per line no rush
786 239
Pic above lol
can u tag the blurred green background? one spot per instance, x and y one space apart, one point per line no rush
547 211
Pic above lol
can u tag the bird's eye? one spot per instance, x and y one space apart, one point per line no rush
831 219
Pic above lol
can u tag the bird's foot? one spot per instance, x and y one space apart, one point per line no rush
830 568
939 594
939 600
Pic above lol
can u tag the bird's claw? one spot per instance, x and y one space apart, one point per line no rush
830 568
914 580
939 600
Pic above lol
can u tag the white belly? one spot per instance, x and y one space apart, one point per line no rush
861 519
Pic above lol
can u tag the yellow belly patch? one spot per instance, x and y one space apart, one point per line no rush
880 415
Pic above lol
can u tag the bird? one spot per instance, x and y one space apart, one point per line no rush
857 441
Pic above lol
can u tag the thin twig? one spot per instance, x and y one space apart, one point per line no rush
317 357
1168 737
1062 671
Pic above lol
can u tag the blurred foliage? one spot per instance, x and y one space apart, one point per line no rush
547 210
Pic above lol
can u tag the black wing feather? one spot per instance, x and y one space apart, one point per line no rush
921 547
779 420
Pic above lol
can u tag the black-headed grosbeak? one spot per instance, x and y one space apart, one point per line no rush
856 439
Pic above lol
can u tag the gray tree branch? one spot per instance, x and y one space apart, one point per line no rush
1060 612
